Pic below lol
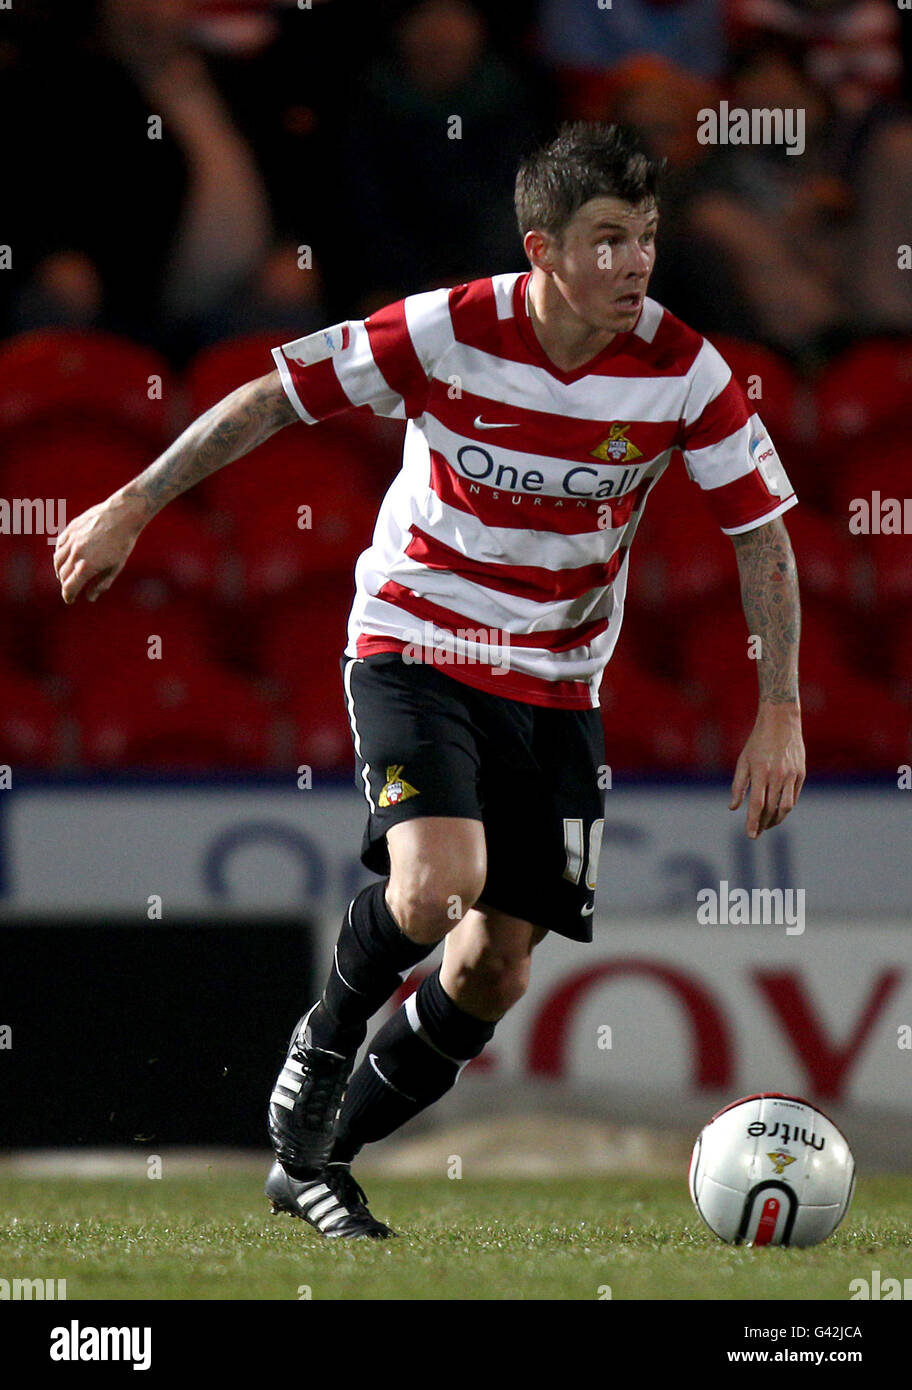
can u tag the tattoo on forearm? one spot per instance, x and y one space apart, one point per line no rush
769 594
229 430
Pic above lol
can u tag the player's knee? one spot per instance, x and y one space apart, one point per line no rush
428 904
493 983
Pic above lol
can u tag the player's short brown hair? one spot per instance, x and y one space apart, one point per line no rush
586 160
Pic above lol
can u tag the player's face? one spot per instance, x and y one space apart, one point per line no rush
603 261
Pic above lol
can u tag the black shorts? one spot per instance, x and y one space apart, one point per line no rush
429 745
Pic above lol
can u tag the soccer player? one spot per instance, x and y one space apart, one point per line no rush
542 408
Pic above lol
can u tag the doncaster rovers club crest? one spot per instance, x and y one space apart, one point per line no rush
396 788
617 448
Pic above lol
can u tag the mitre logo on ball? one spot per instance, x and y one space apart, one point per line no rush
730 1182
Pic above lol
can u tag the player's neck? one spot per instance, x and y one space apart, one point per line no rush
564 337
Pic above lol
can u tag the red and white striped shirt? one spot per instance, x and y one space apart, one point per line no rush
500 549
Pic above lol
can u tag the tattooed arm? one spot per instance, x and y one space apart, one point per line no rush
772 761
94 547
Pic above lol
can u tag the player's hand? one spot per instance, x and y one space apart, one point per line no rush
92 550
772 765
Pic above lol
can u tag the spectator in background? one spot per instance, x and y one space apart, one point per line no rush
224 225
882 224
146 236
810 241
661 102
582 41
776 221
851 50
429 157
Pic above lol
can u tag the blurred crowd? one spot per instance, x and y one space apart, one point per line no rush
182 170
203 179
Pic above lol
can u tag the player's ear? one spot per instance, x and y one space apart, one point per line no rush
538 246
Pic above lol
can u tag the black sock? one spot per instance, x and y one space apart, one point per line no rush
372 958
414 1060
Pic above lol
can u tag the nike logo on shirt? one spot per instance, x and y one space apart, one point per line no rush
487 425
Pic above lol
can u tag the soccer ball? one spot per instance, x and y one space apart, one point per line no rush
771 1169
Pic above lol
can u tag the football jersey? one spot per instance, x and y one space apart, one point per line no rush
501 547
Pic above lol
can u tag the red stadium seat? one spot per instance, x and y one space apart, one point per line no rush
649 725
674 566
715 660
891 562
275 467
183 548
83 461
679 558
899 642
676 498
829 565
17 630
865 390
856 726
193 719
322 529
56 373
301 646
851 725
27 569
29 723
218 370
286 469
673 497
101 643
685 566
56 469
678 553
321 733
304 638
884 465
357 450
180 546
770 384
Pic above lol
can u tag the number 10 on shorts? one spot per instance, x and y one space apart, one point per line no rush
574 840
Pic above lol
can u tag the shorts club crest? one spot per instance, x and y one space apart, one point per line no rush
396 788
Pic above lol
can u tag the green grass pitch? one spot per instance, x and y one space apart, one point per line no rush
205 1238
